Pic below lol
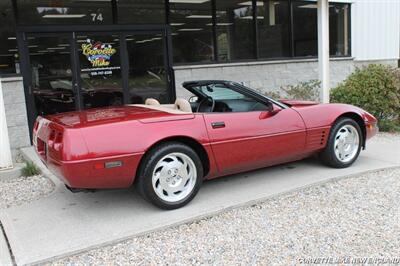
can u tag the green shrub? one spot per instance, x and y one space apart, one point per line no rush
30 169
273 94
307 91
375 88
389 126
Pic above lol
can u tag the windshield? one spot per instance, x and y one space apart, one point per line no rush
219 92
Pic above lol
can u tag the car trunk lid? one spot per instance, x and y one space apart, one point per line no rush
100 116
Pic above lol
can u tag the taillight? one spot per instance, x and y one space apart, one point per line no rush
36 126
52 136
55 140
58 141
41 147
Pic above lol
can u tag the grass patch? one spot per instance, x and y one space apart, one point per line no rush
30 169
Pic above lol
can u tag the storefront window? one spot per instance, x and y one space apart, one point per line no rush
200 29
9 62
64 11
141 11
235 30
339 25
51 73
305 25
147 76
305 28
191 23
273 22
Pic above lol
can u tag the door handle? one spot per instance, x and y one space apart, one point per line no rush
218 124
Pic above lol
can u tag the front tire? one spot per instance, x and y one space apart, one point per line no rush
170 176
344 144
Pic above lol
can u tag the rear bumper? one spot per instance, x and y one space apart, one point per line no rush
93 173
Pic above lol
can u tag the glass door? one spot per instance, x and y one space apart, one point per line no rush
147 68
81 70
99 69
51 73
70 68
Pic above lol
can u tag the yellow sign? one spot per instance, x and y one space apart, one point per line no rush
98 53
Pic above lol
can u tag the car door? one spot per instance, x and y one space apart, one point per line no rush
247 140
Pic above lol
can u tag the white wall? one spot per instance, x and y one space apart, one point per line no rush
375 29
5 151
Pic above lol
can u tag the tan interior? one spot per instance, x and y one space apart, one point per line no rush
181 106
151 101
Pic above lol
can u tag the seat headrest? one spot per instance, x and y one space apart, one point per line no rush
151 101
183 105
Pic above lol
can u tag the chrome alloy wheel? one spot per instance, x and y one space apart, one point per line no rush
347 142
174 177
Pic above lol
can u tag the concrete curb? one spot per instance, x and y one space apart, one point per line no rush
5 256
29 155
211 214
11 173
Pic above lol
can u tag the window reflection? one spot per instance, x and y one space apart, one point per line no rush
51 73
273 28
8 42
192 26
65 12
191 23
141 11
339 25
235 30
305 31
147 76
305 15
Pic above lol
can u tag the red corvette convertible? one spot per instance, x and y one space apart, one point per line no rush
167 151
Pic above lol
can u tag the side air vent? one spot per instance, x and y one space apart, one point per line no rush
323 138
316 138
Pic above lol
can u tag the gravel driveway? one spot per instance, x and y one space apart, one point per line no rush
352 217
21 190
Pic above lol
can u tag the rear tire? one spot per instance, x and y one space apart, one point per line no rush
170 176
344 144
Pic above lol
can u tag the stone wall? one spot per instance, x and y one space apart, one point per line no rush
16 114
270 75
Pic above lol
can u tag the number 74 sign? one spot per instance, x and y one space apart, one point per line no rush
97 16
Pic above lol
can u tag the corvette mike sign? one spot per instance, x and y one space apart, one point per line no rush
99 55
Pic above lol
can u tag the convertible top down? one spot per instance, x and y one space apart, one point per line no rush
166 151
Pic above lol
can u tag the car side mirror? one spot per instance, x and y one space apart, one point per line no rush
266 114
275 111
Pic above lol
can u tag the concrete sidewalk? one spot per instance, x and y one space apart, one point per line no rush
66 223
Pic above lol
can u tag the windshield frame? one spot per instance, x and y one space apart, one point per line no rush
235 86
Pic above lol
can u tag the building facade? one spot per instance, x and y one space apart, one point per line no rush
65 55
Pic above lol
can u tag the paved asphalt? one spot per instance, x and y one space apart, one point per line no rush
66 223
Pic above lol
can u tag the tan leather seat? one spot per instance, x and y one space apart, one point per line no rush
183 105
151 101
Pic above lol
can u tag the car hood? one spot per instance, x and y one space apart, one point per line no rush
297 103
101 116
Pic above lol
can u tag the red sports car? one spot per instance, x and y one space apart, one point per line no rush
167 151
